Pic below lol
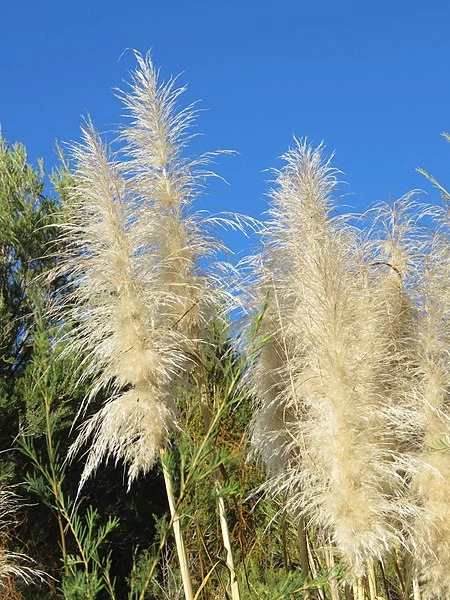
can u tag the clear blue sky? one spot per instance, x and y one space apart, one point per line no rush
369 78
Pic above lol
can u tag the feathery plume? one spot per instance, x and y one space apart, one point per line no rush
137 299
417 247
13 565
431 482
335 317
166 184
112 315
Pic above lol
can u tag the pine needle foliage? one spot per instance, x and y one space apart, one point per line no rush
25 211
84 571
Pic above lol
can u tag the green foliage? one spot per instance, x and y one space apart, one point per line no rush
279 585
25 211
89 571
442 445
207 457
85 571
141 574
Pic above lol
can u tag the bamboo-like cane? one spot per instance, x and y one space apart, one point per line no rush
227 543
303 547
359 589
181 550
312 565
329 559
416 589
372 580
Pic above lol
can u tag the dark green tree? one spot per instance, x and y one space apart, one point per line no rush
25 212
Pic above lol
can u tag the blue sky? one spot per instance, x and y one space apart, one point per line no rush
371 79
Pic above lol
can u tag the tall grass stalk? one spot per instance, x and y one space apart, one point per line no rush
169 182
185 575
431 480
416 589
330 562
351 376
371 580
303 546
420 253
138 301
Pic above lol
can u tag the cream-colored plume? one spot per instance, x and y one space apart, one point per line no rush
13 565
166 183
112 310
270 427
431 482
420 253
325 378
137 299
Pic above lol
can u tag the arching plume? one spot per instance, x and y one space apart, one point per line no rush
137 298
340 319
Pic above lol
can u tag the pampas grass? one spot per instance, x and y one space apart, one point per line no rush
417 246
166 184
13 565
330 379
114 317
431 483
351 377
138 301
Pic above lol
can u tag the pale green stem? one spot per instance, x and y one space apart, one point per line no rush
181 550
329 560
54 483
372 580
416 589
303 547
312 566
359 589
284 542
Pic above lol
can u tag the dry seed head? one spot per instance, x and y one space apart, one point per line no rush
270 433
137 300
333 311
166 184
112 304
431 482
130 428
13 565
